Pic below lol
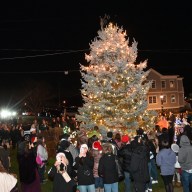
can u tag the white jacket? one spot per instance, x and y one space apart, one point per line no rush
42 152
7 182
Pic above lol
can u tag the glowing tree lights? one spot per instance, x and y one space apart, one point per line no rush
114 87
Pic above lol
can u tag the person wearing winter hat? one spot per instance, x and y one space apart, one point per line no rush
63 147
125 138
33 139
61 183
91 140
185 160
97 146
96 152
110 135
177 174
84 165
33 130
125 153
83 150
66 144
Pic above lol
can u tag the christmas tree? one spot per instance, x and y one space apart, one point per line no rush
114 87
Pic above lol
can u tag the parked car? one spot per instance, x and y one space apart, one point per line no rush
26 133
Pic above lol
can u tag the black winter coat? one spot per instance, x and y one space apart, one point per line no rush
152 148
107 169
139 164
125 154
81 165
27 167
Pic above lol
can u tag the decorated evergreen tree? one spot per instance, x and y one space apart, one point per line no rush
114 87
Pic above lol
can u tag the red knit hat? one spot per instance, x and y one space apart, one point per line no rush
125 138
33 139
97 145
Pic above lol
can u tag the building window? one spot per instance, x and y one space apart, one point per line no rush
163 84
152 99
164 99
173 100
153 85
171 84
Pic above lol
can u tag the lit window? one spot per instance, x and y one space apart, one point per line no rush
171 84
173 100
152 99
164 99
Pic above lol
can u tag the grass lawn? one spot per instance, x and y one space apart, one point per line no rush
47 187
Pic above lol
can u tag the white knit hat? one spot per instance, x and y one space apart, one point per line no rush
84 146
175 147
59 156
32 129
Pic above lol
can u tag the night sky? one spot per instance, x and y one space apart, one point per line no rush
51 37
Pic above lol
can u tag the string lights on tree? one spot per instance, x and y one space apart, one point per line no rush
114 87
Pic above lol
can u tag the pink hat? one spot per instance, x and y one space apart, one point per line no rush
125 138
97 145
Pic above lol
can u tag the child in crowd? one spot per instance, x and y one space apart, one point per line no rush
177 175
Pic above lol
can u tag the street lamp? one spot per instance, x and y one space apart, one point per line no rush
64 112
162 101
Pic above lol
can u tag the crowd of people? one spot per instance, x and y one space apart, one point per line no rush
89 162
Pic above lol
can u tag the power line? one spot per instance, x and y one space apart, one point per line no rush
61 52
42 50
41 55
168 50
66 72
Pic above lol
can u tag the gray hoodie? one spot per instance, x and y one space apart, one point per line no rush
185 153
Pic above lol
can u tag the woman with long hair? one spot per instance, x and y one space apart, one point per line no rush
28 174
43 154
7 180
61 174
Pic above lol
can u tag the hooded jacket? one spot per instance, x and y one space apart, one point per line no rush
185 153
166 159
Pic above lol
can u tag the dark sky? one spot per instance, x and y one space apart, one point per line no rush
56 35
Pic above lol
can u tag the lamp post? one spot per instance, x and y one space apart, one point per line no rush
162 97
64 112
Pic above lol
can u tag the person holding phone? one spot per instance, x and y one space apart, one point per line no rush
61 174
84 165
